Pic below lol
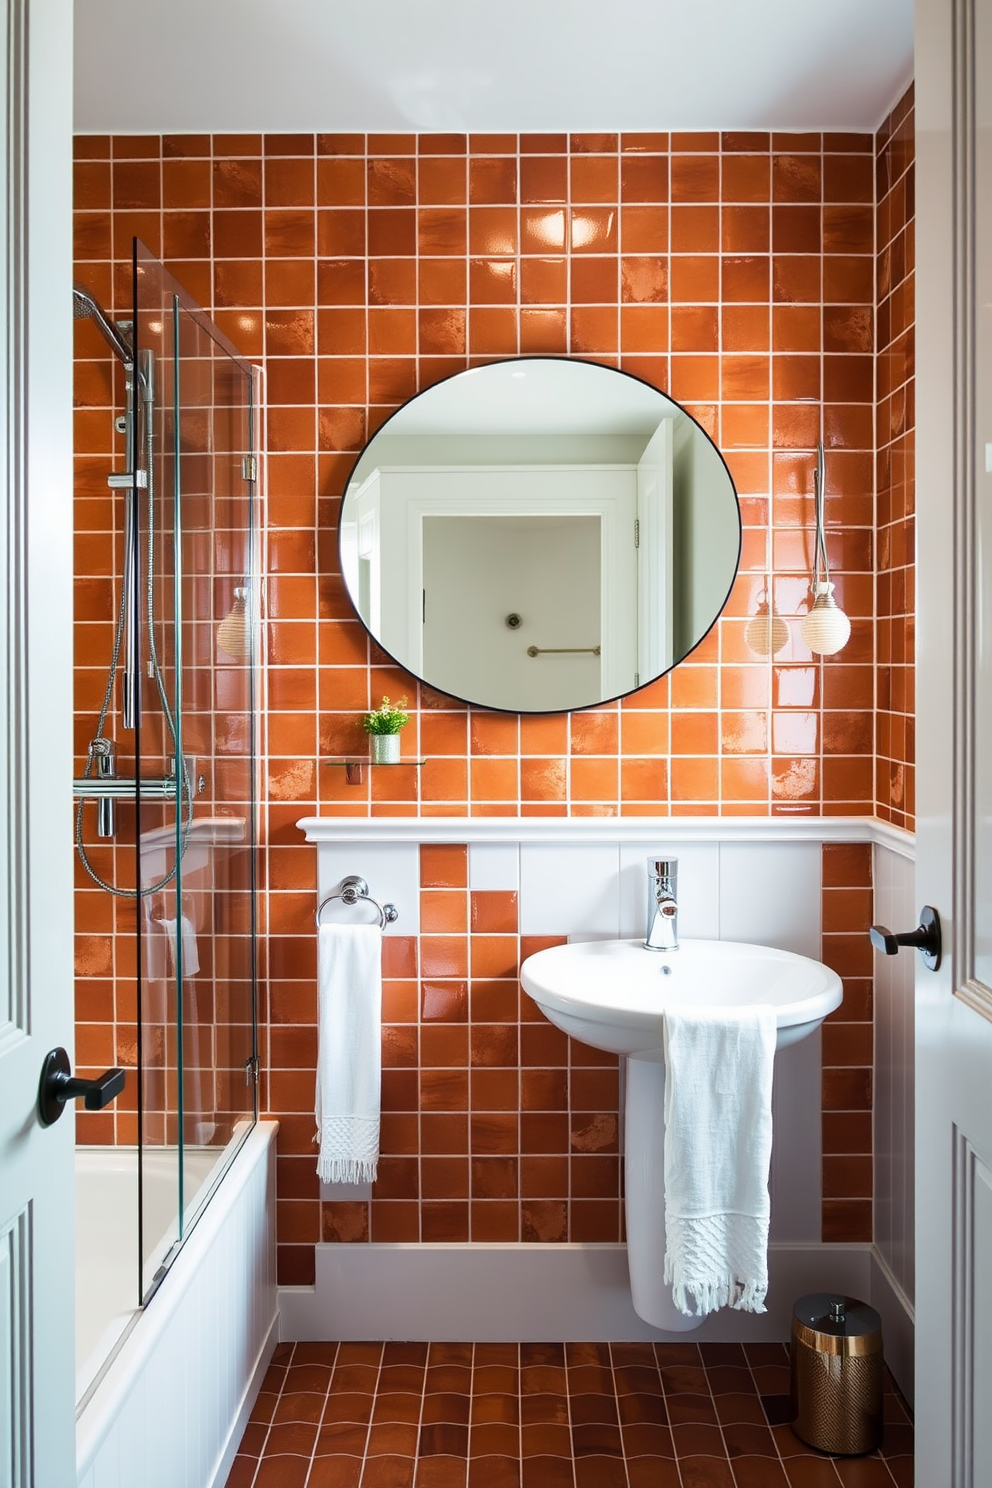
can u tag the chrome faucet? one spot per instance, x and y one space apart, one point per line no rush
663 909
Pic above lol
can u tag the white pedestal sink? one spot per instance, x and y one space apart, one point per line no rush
612 994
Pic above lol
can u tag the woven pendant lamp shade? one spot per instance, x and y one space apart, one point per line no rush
826 628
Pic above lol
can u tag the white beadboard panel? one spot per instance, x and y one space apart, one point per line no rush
895 906
569 890
494 865
173 1404
391 869
531 1293
698 887
575 829
770 894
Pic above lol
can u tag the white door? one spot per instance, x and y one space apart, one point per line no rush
954 732
655 537
37 1429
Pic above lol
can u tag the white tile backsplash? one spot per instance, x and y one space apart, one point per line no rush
494 865
569 890
391 870
770 895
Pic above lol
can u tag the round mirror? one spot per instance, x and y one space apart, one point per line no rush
540 534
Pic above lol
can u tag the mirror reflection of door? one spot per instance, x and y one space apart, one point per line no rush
571 494
481 572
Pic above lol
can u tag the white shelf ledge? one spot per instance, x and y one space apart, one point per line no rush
569 829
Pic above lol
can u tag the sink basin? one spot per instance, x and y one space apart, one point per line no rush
612 993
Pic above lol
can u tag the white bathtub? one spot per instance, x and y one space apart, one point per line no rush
170 1407
107 1283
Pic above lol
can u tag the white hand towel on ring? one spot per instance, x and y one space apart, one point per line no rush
718 1145
349 1051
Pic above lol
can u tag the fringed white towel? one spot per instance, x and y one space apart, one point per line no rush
718 1143
349 1051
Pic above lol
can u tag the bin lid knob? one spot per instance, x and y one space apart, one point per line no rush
836 1312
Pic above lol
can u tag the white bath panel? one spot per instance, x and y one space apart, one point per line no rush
171 1408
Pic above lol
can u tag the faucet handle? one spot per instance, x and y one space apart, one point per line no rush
663 867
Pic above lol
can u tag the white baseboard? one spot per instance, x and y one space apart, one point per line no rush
532 1293
898 1324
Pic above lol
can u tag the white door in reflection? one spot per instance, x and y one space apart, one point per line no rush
444 555
480 573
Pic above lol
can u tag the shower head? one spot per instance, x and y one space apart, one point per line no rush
85 307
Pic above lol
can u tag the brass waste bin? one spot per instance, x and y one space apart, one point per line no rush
837 1373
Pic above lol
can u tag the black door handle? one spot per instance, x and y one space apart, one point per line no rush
925 938
58 1086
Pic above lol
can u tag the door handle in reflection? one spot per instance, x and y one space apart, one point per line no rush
57 1086
925 938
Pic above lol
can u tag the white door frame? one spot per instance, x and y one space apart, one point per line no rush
37 1325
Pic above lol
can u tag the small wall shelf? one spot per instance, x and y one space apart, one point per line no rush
354 765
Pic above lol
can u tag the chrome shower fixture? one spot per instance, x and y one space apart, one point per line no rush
85 307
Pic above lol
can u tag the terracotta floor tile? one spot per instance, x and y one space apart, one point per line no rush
335 1472
749 1441
740 1409
388 1472
705 1472
301 1407
547 1472
342 1439
494 1472
450 1408
644 1472
811 1472
282 1472
441 1472
593 1415
759 1472
295 1438
863 1472
687 1410
242 1473
651 1409
443 1439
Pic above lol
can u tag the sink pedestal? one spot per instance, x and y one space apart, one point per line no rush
612 994
644 1172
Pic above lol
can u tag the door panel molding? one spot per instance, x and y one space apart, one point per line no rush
16 1321
14 250
972 1242
970 524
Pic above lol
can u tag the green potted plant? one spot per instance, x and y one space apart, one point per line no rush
384 724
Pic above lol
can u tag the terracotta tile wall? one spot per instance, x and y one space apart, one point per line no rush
847 1043
737 273
895 470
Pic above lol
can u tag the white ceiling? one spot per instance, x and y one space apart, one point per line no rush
488 65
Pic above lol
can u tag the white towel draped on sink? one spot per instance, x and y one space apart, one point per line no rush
718 1142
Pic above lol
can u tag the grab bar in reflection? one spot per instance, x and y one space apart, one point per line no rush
564 650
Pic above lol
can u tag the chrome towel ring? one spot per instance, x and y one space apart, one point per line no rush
352 891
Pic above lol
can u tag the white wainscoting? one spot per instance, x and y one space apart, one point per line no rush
172 1407
754 879
895 1129
532 1293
